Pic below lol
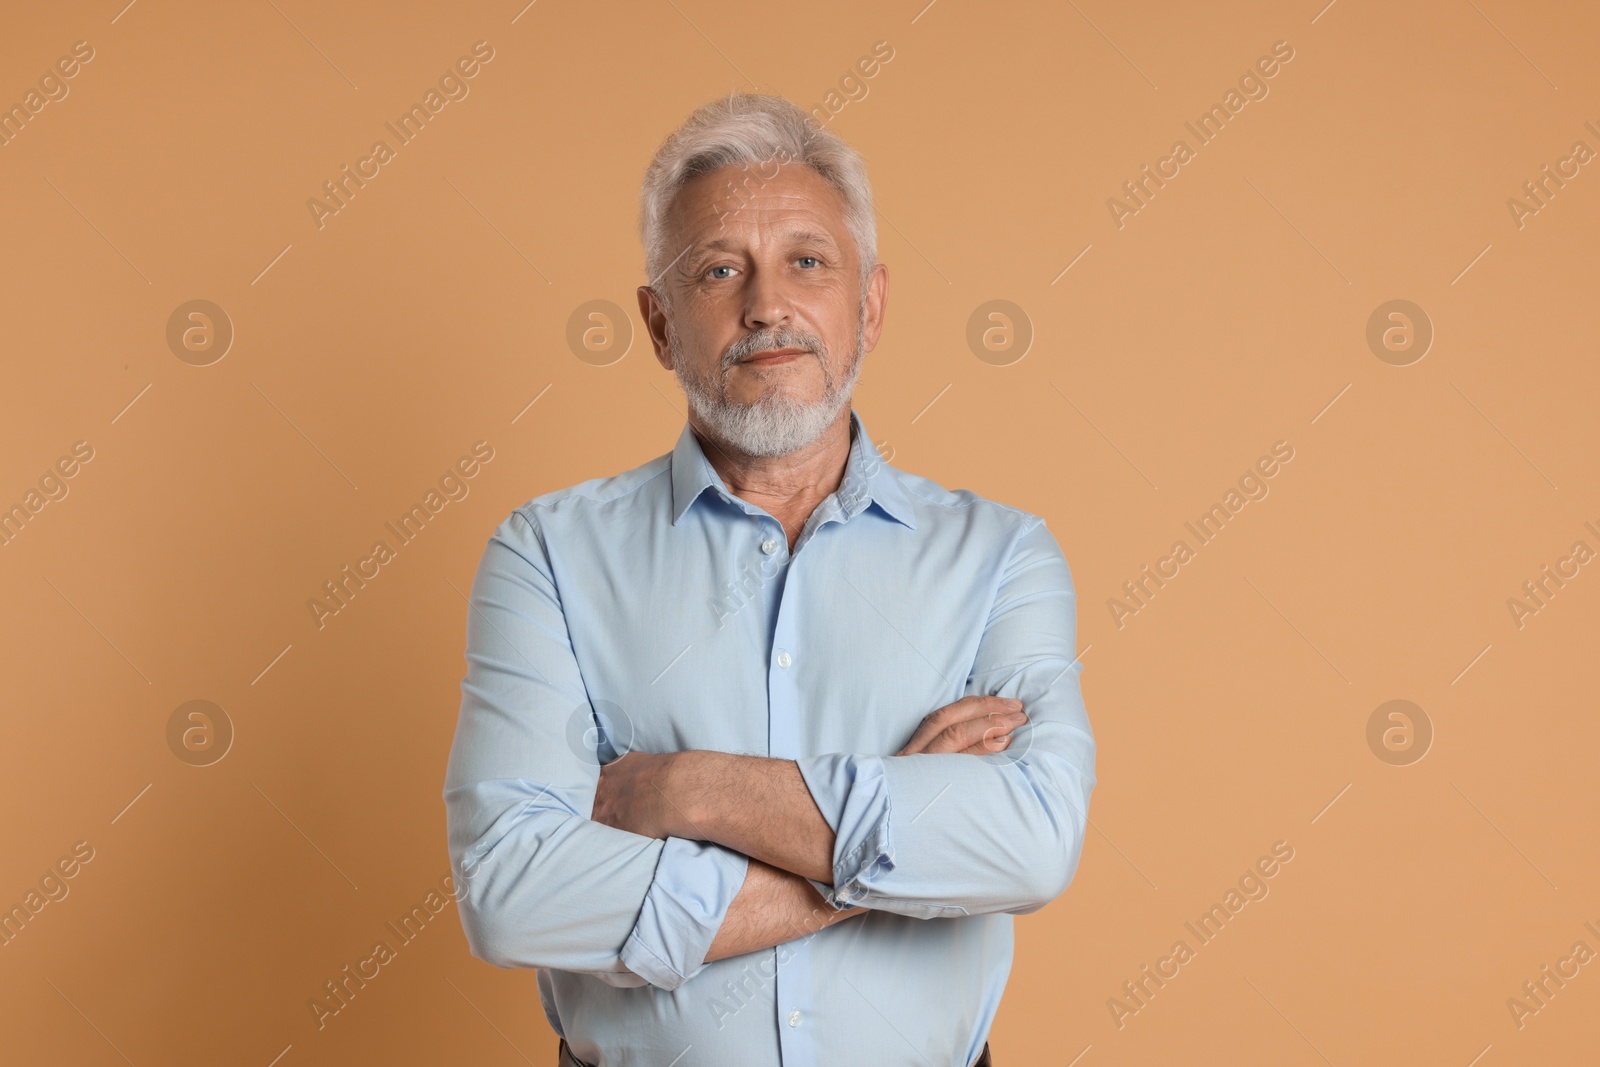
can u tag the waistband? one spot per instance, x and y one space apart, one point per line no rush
565 1058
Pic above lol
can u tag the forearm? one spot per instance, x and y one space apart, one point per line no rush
773 907
758 806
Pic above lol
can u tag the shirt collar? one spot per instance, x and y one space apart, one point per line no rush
868 478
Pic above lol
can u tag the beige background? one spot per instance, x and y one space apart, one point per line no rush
1229 313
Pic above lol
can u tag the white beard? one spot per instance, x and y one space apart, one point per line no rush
776 424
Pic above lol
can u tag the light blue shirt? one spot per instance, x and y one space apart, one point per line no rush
655 611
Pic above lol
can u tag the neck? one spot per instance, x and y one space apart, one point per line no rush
788 486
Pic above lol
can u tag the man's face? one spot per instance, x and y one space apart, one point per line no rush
768 323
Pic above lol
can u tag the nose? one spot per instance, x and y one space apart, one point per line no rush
766 303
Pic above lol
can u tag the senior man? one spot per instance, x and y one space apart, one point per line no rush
763 743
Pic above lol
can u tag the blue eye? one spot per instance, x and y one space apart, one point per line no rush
724 267
813 259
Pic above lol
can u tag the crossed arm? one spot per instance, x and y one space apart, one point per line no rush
763 808
687 857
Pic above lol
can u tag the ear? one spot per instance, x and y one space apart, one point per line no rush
877 303
655 324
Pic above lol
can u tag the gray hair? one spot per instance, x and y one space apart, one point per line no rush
751 129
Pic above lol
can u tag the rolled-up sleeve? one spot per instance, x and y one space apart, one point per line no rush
694 883
538 883
949 834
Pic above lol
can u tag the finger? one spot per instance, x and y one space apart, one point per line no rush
989 745
970 709
931 726
963 710
993 738
963 735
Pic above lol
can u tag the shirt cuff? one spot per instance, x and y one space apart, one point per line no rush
694 883
853 795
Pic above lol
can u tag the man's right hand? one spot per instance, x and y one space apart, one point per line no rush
979 725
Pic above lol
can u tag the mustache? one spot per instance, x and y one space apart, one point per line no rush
764 340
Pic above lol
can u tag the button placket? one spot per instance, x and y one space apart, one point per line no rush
792 986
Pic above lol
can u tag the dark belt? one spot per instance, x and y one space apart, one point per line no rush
565 1058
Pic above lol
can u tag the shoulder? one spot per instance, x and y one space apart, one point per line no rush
1013 538
599 493
962 508
597 500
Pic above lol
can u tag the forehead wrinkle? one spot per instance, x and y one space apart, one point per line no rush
795 235
807 207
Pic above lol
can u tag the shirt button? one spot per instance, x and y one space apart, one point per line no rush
784 659
769 546
794 1018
